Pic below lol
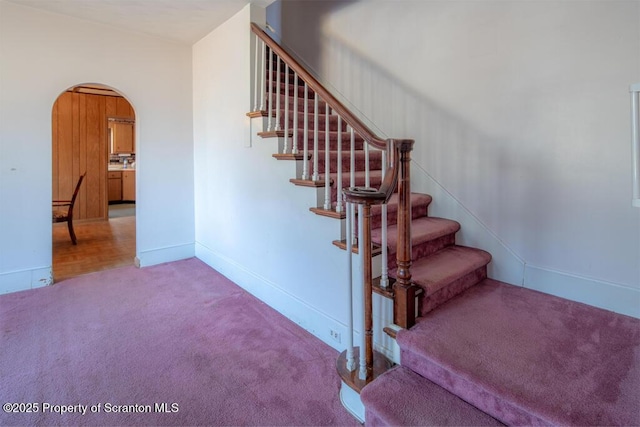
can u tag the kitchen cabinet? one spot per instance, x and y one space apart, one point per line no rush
129 185
122 186
115 186
121 137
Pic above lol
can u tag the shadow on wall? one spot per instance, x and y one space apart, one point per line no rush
450 153
307 20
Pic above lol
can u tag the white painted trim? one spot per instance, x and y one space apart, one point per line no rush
351 401
306 316
609 296
21 280
162 255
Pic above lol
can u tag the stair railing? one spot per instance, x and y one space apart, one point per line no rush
395 155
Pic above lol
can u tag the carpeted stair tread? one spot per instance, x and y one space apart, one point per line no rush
423 230
436 271
529 358
400 397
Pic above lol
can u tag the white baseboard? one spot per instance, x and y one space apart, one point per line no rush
309 318
162 255
25 279
609 296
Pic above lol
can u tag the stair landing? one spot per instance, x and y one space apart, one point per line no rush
529 358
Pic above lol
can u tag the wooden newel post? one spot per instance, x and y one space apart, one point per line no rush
368 289
405 292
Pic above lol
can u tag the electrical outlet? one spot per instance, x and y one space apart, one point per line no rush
335 335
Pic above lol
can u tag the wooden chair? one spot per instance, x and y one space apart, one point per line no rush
60 214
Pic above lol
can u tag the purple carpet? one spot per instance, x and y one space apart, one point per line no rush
179 334
528 358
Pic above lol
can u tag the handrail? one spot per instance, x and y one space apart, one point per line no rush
371 196
353 121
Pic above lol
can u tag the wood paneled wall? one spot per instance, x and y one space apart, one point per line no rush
79 123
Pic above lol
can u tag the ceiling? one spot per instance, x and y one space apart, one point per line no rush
185 21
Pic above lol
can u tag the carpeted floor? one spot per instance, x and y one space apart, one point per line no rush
179 334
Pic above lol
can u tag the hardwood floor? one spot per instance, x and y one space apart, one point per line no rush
102 245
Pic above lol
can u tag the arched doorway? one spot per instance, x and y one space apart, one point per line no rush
93 133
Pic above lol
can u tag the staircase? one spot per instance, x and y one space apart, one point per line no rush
482 352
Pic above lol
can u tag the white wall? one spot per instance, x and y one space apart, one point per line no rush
252 224
41 55
520 112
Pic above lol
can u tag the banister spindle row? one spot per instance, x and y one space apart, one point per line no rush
391 157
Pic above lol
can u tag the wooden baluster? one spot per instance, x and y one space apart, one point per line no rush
351 363
327 160
367 174
270 91
285 148
278 92
405 291
352 169
263 75
316 176
362 373
352 155
295 114
384 277
339 166
256 77
368 290
305 137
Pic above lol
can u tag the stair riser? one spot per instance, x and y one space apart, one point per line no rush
424 249
333 141
443 295
392 215
292 88
375 161
322 120
310 104
283 77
